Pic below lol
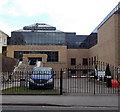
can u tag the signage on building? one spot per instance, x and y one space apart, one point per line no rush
101 73
119 69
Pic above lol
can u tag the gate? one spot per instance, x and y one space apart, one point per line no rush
96 78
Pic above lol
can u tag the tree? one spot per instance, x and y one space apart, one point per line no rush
107 78
107 71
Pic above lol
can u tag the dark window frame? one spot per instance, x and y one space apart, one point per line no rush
52 57
85 61
73 61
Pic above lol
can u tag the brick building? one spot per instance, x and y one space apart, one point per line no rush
66 49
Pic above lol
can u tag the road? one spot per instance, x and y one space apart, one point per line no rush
84 103
63 100
14 108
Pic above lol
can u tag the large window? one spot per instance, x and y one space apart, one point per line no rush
52 55
37 38
85 61
73 61
0 39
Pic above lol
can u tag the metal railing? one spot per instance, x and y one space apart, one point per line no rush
82 79
107 17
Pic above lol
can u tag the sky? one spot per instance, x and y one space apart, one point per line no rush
80 16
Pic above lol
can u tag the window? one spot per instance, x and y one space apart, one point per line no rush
85 71
73 61
73 71
92 61
37 38
53 56
0 39
85 61
5 42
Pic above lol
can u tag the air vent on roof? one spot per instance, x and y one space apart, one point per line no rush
40 24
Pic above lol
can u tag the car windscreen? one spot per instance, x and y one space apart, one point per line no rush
42 71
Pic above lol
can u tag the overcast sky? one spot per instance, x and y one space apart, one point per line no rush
80 16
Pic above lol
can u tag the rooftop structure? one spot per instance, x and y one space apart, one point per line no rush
44 34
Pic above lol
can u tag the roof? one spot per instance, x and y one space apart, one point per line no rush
38 27
114 11
4 33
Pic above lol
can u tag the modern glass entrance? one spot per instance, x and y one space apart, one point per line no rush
33 60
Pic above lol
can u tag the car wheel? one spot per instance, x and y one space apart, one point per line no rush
52 87
31 87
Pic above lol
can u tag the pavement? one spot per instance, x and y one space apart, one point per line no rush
61 100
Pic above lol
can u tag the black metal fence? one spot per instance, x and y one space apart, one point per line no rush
82 79
21 82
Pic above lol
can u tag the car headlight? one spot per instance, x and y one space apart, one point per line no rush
50 80
31 80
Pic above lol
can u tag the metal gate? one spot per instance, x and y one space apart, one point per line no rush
98 78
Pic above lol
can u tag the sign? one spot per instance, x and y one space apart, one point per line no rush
118 70
100 73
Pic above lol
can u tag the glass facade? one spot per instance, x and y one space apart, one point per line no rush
38 38
52 55
89 42
74 41
43 34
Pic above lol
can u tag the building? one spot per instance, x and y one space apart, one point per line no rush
3 42
107 48
47 44
60 49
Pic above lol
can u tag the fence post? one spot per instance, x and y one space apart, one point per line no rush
61 82
94 83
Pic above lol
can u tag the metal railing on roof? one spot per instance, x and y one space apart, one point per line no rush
107 17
